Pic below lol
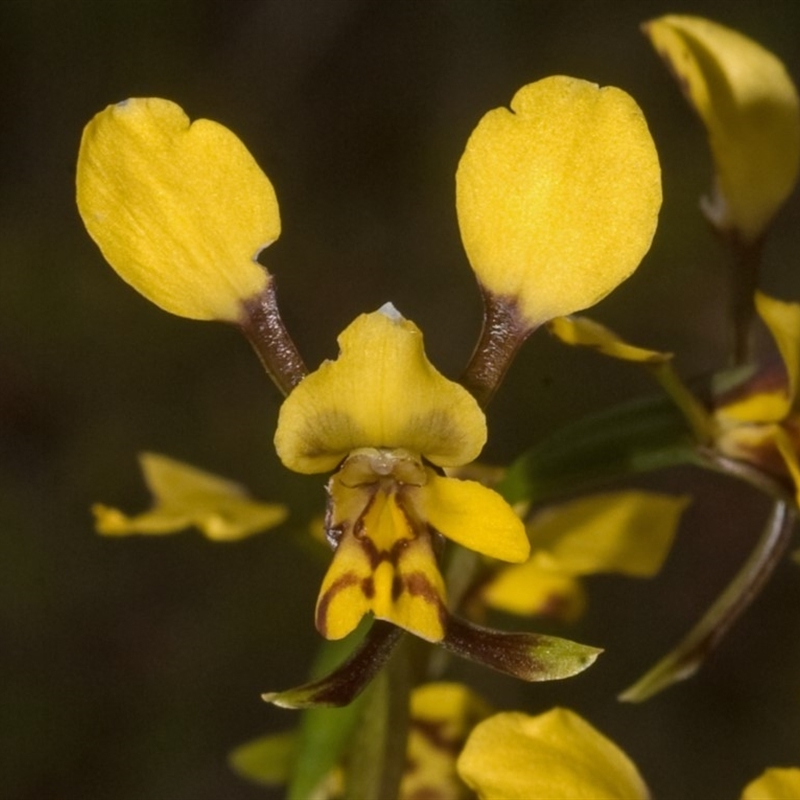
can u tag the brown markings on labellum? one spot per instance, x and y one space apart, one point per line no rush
324 602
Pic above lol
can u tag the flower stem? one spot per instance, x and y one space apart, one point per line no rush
690 654
261 323
745 273
378 751
504 331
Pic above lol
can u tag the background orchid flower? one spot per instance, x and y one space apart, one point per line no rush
387 419
441 716
553 756
185 496
758 423
750 108
774 784
628 533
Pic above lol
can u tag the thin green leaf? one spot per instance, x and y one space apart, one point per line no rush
640 436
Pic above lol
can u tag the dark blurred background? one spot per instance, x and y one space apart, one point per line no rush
131 667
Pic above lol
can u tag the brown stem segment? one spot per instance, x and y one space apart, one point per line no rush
745 274
261 323
504 331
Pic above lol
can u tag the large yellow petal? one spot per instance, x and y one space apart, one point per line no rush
751 111
474 516
186 496
179 210
774 784
558 197
553 756
382 392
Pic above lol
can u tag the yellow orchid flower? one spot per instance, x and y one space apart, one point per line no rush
186 496
180 210
774 784
388 422
441 716
751 112
629 533
559 756
558 196
760 422
553 756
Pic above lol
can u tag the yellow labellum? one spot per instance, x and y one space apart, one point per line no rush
179 210
751 112
558 196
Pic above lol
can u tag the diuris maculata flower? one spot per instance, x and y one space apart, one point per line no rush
389 423
759 423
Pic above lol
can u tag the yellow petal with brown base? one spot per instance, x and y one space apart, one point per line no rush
558 196
179 210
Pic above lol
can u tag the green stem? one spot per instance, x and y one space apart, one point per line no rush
694 411
378 751
690 654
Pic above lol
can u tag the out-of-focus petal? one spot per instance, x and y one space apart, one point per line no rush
552 756
751 111
585 332
186 496
627 532
537 587
774 784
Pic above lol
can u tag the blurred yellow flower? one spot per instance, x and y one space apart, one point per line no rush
628 532
553 756
751 112
186 496
774 784
760 421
